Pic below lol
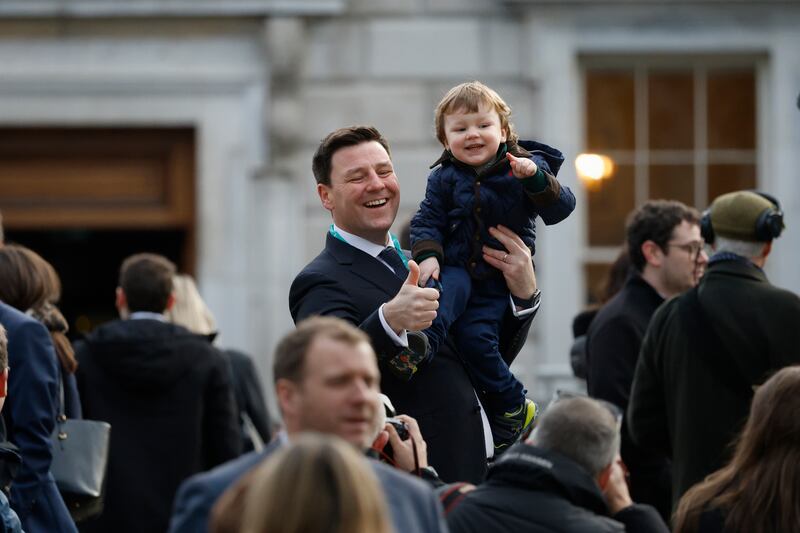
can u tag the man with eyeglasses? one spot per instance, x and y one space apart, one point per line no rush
707 350
666 258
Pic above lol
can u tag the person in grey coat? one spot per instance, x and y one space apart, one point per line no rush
326 381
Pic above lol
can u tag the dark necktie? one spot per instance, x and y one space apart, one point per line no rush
392 258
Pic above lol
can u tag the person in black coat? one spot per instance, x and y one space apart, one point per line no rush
166 393
706 350
191 312
667 257
362 277
567 477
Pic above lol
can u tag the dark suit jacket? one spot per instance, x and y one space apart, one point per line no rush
30 417
412 504
345 282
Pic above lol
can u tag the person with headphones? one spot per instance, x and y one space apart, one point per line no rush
706 350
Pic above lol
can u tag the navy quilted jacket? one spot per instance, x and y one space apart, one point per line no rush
461 204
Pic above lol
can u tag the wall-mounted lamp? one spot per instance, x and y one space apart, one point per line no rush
592 168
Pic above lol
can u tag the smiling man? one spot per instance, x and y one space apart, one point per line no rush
666 257
363 277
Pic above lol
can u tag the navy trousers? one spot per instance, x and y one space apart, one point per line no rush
472 311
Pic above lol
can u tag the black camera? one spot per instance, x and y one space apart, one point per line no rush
399 426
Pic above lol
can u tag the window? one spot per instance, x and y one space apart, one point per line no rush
682 130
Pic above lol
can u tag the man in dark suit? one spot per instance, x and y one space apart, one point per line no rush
326 381
362 277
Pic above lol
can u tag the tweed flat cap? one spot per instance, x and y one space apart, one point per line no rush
734 215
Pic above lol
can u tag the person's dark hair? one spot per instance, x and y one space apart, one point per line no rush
146 280
342 138
290 354
31 284
3 348
759 489
617 274
655 221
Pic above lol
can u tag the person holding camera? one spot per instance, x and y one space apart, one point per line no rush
567 476
326 381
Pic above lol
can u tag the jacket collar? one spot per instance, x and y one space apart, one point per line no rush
363 265
742 267
529 467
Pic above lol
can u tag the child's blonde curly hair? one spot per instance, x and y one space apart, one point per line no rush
469 97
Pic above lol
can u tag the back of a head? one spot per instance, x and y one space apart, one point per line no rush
655 221
764 472
319 484
189 309
581 429
146 280
742 222
26 282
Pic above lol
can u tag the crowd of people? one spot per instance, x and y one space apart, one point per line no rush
690 363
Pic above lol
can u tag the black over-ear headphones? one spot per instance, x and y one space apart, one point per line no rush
769 224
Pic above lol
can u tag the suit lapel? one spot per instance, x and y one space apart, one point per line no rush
363 265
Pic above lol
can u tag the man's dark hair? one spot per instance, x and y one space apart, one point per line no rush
290 354
655 221
146 280
3 349
341 138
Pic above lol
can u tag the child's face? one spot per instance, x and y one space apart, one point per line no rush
474 138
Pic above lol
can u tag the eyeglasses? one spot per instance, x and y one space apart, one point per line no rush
693 248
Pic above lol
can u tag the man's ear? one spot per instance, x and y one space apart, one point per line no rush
170 301
121 300
324 192
288 398
766 249
603 476
653 254
4 383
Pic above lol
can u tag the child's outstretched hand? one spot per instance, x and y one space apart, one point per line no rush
521 167
428 268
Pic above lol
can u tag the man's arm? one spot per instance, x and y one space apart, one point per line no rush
517 269
612 349
635 517
221 432
33 388
647 410
413 308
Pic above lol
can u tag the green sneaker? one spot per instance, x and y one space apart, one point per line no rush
513 426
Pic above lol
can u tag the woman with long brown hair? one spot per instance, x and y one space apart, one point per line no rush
759 490
33 287
28 289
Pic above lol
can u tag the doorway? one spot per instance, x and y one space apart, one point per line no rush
86 198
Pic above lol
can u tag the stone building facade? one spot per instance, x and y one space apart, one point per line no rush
261 81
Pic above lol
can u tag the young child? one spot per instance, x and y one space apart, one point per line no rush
486 177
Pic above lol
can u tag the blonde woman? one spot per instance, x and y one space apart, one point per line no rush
319 484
